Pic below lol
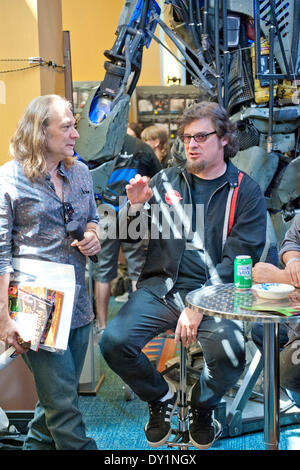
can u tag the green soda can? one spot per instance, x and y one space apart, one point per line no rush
243 272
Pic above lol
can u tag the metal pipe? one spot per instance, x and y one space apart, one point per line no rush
226 53
141 30
198 18
183 407
182 49
144 15
271 385
205 33
217 54
192 25
271 90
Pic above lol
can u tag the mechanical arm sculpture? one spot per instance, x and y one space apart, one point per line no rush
244 55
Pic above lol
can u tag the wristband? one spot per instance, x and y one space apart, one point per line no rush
292 260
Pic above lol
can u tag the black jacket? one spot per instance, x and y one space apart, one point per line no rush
247 236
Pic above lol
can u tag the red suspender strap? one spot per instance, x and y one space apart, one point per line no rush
233 203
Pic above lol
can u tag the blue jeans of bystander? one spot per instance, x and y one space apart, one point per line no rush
57 423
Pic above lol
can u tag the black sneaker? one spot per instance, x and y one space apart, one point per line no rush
203 429
158 428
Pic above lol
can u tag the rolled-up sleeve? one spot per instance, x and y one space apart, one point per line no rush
291 241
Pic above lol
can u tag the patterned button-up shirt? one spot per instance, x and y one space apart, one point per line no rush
32 223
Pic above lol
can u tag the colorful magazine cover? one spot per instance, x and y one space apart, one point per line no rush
51 330
31 302
60 286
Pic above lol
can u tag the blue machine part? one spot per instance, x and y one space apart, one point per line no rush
137 12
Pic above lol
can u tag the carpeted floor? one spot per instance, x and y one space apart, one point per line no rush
117 424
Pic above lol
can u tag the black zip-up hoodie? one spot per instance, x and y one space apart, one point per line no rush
247 236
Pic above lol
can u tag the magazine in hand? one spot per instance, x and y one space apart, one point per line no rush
59 281
32 310
37 312
50 333
59 288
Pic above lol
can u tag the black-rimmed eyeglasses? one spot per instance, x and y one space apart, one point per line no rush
68 212
200 137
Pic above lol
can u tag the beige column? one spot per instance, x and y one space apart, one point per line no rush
28 28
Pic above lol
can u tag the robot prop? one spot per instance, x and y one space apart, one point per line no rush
243 55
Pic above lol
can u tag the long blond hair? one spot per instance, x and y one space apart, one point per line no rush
27 145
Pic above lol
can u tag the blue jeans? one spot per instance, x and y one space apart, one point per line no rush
57 423
289 363
145 316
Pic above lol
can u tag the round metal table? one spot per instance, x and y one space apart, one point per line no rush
226 301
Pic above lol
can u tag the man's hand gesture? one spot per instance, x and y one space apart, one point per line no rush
138 190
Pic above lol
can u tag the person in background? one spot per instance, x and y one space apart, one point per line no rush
157 137
289 333
134 129
41 189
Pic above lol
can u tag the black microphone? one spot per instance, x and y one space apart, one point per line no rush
76 232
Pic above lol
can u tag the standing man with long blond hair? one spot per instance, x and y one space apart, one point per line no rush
41 189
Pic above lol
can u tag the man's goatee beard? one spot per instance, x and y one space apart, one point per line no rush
195 167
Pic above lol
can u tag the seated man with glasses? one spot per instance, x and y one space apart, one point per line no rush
42 188
193 251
